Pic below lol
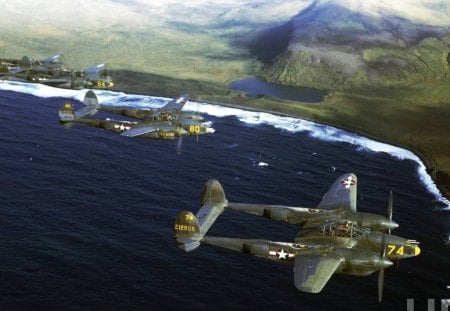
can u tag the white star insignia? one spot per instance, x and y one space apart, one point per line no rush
282 254
349 182
121 127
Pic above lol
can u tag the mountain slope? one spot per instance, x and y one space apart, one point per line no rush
344 44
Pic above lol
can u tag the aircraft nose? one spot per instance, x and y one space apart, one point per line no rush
182 131
385 263
391 225
210 130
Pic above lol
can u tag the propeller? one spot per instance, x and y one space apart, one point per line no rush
390 208
381 272
180 145
380 284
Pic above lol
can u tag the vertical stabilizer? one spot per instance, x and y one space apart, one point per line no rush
212 192
66 113
189 228
90 105
187 231
90 99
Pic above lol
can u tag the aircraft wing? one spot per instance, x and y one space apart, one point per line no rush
342 194
177 103
312 272
139 130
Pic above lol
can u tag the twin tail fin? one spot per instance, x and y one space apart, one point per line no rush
190 229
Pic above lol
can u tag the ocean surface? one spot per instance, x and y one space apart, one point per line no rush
86 215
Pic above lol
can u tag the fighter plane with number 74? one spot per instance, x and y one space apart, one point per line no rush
334 237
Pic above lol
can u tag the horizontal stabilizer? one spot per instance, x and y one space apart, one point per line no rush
85 111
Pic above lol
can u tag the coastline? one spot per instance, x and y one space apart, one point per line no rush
430 165
427 167
325 113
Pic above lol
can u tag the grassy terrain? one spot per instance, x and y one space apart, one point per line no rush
415 117
184 56
345 67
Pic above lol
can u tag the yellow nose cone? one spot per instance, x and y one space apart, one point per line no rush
416 251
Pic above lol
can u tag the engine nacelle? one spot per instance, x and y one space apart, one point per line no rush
279 214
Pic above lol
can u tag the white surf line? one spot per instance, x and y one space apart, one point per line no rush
319 131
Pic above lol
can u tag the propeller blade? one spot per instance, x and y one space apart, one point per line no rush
390 208
380 284
381 272
180 145
390 205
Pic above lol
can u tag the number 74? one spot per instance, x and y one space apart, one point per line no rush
395 249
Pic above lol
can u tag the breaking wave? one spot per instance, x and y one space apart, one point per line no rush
319 131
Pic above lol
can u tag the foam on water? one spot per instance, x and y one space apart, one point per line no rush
319 131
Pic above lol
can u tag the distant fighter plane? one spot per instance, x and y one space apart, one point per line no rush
172 111
158 124
52 72
334 238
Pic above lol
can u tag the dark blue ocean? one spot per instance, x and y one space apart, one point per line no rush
86 217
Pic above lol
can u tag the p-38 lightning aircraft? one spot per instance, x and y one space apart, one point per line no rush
334 238
165 123
52 72
172 111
